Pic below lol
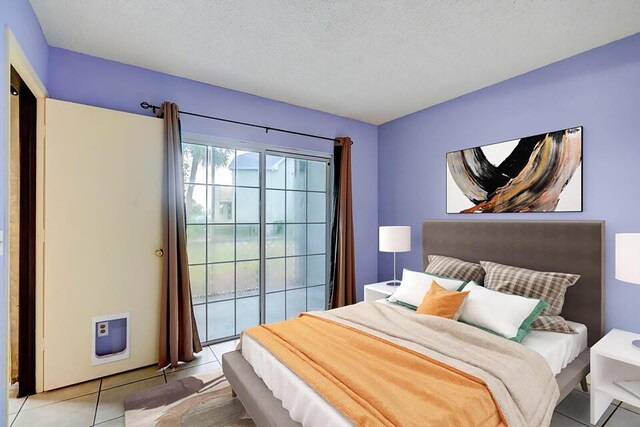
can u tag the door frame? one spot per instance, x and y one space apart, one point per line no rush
27 128
17 59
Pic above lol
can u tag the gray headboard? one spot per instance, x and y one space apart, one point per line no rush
562 246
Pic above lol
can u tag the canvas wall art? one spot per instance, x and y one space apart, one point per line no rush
541 173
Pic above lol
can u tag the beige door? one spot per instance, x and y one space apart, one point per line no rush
102 221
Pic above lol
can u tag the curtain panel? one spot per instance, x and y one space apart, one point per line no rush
342 269
178 331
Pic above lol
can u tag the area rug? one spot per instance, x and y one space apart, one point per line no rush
199 400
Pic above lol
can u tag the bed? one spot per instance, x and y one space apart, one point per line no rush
568 246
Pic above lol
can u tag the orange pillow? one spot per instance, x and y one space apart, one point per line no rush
441 302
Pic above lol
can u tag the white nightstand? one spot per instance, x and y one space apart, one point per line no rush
613 358
376 291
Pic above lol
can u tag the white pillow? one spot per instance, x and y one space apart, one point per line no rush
505 314
416 284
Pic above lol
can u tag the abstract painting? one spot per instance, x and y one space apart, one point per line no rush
541 173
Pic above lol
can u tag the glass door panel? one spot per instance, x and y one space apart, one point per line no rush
296 236
222 202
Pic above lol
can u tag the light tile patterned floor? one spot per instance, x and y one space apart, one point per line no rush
99 402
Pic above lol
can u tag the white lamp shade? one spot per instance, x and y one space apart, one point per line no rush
395 239
628 257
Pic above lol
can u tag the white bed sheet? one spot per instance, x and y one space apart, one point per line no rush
558 349
310 409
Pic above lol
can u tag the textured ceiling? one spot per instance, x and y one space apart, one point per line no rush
369 60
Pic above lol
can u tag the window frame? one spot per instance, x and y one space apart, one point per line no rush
264 150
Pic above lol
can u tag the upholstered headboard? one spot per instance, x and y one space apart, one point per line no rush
562 246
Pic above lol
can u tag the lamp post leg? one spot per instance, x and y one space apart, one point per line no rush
394 269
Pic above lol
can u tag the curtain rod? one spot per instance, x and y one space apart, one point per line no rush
145 105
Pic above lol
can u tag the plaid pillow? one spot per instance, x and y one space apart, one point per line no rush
553 324
455 268
546 286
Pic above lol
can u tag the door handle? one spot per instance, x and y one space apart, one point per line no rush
159 252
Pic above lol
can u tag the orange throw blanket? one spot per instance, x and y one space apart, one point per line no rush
374 382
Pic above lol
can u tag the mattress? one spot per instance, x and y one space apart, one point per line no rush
310 409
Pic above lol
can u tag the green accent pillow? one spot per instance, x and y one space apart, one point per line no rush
402 304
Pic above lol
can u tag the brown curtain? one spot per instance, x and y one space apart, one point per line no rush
178 330
343 274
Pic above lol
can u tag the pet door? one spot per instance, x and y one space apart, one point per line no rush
110 338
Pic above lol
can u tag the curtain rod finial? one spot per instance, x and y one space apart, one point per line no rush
146 106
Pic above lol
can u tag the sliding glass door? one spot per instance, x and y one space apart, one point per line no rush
296 236
256 235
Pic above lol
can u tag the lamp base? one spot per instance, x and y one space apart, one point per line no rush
636 344
393 283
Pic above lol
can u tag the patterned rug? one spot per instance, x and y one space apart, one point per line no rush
200 400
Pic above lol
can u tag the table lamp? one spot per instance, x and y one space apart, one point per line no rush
395 239
628 261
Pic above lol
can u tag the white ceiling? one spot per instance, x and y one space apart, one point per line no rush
368 60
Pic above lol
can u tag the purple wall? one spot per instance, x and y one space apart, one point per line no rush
19 17
89 80
599 90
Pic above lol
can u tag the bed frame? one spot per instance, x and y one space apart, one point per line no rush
564 246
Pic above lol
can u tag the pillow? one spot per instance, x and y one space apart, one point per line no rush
443 303
546 286
416 284
455 268
553 324
503 314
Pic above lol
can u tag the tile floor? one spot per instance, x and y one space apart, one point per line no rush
573 411
99 402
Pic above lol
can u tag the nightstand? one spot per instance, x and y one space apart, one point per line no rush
613 358
376 291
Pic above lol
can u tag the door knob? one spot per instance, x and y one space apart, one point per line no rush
159 252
